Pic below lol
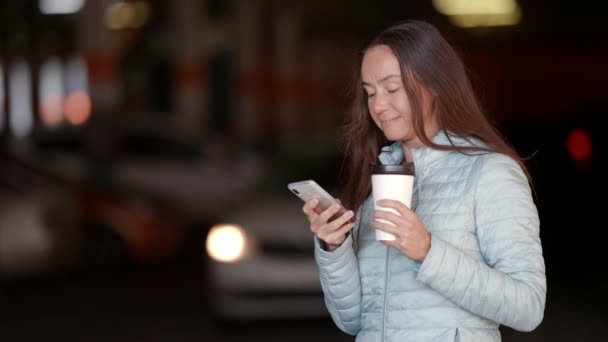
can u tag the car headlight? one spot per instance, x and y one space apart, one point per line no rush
228 243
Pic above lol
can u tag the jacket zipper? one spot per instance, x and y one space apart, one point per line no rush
386 264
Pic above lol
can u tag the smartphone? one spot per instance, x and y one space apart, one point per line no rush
308 189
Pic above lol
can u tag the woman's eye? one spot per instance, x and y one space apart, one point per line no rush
370 95
392 91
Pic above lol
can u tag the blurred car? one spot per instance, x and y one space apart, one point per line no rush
261 256
39 231
51 219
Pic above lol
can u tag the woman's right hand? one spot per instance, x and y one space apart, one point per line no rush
333 233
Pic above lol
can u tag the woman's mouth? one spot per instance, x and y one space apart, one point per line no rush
389 121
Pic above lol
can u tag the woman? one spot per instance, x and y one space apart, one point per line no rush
467 256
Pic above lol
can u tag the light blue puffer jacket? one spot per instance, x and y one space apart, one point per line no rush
485 266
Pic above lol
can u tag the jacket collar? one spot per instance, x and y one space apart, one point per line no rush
424 156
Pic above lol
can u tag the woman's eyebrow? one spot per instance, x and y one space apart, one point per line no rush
383 79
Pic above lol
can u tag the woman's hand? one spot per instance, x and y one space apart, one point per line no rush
332 233
411 238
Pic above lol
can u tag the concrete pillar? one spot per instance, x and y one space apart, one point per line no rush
249 70
326 121
288 85
101 51
189 74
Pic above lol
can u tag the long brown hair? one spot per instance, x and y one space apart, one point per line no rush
426 59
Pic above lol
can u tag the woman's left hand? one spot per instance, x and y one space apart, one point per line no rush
411 238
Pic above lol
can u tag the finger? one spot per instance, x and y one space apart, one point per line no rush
337 224
389 216
346 228
343 219
312 218
397 205
311 204
385 227
337 236
329 212
309 207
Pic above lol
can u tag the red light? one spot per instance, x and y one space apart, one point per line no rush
77 107
579 144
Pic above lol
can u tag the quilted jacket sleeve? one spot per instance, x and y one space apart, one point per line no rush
510 286
339 274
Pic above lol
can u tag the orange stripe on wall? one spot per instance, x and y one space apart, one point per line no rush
300 89
189 75
101 65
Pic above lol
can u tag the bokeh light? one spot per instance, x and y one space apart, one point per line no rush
77 107
579 144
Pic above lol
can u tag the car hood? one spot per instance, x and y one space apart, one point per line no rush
274 219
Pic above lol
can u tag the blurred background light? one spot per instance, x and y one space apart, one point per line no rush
77 107
468 7
141 11
21 118
76 74
579 144
51 92
226 243
123 15
60 6
479 13
118 15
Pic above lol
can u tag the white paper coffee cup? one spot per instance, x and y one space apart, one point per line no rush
393 182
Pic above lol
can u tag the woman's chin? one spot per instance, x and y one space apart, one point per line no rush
393 136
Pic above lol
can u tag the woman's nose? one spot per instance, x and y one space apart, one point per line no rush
379 103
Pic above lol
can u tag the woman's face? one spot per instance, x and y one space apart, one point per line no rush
387 101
